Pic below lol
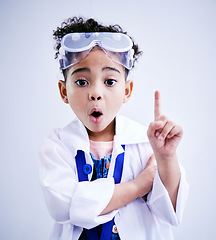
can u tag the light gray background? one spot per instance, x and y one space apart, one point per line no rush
179 43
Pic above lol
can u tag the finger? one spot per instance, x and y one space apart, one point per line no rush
159 125
157 106
176 131
166 130
155 127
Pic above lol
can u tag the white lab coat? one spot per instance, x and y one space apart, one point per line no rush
76 205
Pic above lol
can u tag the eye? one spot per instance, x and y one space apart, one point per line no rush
81 82
110 82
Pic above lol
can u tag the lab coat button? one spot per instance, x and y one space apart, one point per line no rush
108 165
87 168
114 230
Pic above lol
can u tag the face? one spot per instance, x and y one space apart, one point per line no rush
95 89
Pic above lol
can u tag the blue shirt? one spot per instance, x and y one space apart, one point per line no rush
101 169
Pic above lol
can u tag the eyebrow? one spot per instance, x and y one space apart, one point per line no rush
88 70
80 70
111 69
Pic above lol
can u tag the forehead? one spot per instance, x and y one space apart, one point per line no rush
97 58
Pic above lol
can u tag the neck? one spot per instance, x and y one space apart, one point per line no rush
106 135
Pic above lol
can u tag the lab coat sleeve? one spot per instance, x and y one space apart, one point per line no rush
90 199
68 200
160 203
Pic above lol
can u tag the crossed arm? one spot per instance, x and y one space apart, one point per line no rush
164 137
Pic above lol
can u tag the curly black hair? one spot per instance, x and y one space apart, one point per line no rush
76 24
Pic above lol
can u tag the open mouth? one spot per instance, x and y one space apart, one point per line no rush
96 115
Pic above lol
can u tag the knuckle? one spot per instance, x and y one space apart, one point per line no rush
151 125
171 122
164 118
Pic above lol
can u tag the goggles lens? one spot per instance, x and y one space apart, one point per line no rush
76 46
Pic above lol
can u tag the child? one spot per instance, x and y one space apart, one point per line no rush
98 174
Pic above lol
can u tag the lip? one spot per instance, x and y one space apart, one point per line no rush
95 118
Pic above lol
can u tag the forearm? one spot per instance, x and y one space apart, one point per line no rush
169 172
124 193
164 136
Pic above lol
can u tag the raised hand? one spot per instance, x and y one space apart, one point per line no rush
164 135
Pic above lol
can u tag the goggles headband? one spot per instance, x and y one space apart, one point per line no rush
76 46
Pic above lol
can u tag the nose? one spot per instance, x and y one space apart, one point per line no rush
95 94
97 98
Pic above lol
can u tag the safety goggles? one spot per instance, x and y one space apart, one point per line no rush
76 46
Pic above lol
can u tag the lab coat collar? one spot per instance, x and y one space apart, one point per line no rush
75 135
129 131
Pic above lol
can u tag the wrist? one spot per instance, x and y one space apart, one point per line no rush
168 167
166 159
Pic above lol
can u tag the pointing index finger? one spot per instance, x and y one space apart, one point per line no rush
157 106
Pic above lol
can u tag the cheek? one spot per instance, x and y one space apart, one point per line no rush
77 99
74 93
116 100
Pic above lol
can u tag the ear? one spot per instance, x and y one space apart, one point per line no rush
63 90
128 90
